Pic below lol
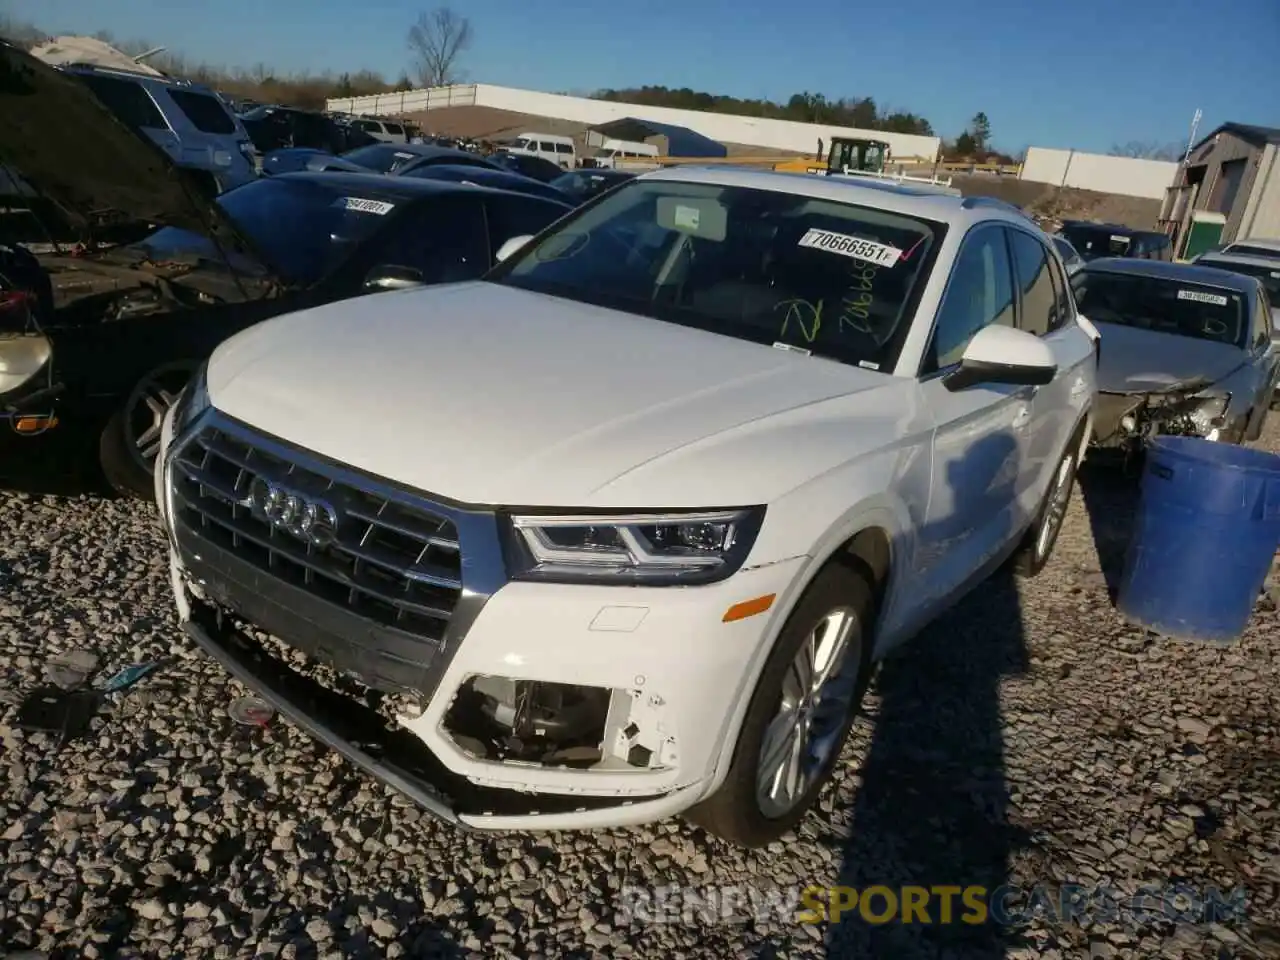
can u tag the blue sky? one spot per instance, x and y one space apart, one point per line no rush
1086 74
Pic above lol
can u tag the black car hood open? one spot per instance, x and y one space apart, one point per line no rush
75 154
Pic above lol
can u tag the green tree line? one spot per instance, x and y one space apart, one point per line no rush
806 107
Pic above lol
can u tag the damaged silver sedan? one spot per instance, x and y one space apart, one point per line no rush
1185 350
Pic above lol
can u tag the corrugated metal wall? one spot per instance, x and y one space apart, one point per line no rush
1260 214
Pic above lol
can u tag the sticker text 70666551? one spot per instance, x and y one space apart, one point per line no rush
881 254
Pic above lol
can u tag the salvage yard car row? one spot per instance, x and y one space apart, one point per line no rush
592 515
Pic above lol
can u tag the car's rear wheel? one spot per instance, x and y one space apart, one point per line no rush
130 440
800 713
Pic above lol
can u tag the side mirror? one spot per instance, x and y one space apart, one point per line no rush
998 354
391 277
511 246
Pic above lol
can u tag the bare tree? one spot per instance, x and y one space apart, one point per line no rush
1148 150
437 40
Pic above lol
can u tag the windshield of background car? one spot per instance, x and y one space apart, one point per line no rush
1247 250
1269 274
302 229
1094 242
380 158
1161 305
831 278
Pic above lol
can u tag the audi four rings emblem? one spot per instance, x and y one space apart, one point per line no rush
314 521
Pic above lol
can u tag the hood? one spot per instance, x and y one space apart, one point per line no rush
1147 361
75 153
488 394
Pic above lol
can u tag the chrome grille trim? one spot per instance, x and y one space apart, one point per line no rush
399 559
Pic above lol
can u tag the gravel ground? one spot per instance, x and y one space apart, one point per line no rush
1031 739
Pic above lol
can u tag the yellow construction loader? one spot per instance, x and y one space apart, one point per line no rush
853 157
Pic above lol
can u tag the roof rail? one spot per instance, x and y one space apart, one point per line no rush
970 203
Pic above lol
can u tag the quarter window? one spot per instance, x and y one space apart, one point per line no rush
127 100
206 113
979 294
1039 301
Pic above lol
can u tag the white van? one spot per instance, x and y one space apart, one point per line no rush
612 152
548 146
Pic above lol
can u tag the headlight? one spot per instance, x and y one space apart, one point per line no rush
642 549
22 356
1210 412
193 401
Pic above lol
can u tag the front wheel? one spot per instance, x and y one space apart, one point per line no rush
130 440
799 715
1037 547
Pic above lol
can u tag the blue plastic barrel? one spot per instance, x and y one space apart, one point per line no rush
1206 533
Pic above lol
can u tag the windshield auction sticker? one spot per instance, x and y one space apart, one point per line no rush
1215 298
847 246
361 205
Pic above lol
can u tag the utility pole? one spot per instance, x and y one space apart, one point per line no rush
1195 123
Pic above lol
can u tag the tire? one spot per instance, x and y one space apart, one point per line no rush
124 443
735 812
1257 420
1038 542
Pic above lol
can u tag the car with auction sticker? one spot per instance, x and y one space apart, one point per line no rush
618 531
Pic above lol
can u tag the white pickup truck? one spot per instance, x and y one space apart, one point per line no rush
618 532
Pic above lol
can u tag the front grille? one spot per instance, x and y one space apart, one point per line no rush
393 562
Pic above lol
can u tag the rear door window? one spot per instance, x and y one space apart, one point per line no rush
547 147
206 113
127 100
1039 301
563 148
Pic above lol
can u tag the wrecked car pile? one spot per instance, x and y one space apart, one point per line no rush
101 339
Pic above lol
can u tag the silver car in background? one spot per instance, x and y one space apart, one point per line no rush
1185 350
188 121
1264 269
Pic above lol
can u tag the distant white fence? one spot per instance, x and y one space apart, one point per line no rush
406 101
1126 176
727 128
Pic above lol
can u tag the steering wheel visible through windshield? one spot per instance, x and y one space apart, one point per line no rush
830 278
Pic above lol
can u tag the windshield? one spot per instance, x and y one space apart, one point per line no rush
829 278
379 157
1162 305
304 230
1094 242
1248 250
1269 275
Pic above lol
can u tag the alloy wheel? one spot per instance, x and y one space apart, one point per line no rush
147 406
817 697
1055 510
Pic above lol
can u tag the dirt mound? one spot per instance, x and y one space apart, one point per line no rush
1063 203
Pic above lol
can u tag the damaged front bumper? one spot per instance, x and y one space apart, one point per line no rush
546 706
1128 422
